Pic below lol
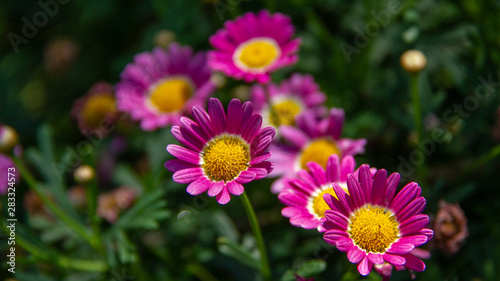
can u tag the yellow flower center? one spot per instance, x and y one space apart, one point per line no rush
257 54
318 151
97 107
171 94
284 112
318 204
373 229
225 157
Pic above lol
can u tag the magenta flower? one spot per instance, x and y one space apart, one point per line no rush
162 85
313 140
373 224
304 195
7 166
220 152
253 45
96 111
288 100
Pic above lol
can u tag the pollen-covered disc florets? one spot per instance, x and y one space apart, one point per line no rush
373 224
220 152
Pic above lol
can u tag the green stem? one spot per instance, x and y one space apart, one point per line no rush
201 272
254 224
417 110
494 152
59 260
417 118
80 230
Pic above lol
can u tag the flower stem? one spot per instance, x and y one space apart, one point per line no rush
417 118
58 212
265 268
417 110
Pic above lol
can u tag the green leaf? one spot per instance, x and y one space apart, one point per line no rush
307 268
232 249
148 210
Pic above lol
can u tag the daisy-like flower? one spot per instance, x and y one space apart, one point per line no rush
7 167
288 100
221 152
96 110
253 45
162 85
373 224
313 140
304 195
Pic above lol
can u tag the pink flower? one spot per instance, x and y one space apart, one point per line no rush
288 100
220 151
313 140
162 85
373 224
253 45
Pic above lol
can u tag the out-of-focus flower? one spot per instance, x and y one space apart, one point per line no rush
413 61
59 54
253 45
304 195
164 37
96 111
313 140
77 196
450 227
375 225
496 129
300 278
109 205
288 100
9 175
160 86
34 204
8 138
221 151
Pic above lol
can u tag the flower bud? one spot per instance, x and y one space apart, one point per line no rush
8 138
413 61
84 174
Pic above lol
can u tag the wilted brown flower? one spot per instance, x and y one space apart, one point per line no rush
34 204
109 205
77 196
450 227
59 54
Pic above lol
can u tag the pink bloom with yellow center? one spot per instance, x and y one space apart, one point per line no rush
253 45
304 195
96 111
373 224
288 100
220 151
162 85
313 140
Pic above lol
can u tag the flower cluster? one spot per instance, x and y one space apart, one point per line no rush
285 132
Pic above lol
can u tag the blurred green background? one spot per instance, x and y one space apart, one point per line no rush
84 42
